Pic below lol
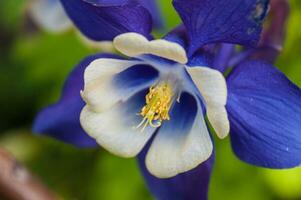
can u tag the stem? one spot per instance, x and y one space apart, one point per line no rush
16 183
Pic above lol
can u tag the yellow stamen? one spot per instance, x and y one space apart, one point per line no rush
158 103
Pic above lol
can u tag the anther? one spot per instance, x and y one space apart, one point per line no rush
158 103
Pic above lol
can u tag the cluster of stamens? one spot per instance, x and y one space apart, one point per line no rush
158 103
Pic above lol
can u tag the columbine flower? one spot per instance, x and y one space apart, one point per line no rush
156 100
129 100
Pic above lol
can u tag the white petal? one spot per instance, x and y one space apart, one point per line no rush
99 92
134 44
115 129
50 15
173 152
212 86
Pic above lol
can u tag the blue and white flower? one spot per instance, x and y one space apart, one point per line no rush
129 100
153 102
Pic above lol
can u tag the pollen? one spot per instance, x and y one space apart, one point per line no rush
158 103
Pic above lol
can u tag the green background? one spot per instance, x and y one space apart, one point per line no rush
33 67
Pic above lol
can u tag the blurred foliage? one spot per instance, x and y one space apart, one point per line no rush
76 173
33 67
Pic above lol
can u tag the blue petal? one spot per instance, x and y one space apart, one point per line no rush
269 47
107 20
178 35
264 109
153 8
107 2
192 185
61 120
222 58
273 36
203 57
151 5
232 21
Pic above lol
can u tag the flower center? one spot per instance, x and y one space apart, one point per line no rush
158 103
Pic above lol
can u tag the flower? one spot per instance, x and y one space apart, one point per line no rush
155 101
129 100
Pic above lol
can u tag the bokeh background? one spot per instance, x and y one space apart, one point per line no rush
33 67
